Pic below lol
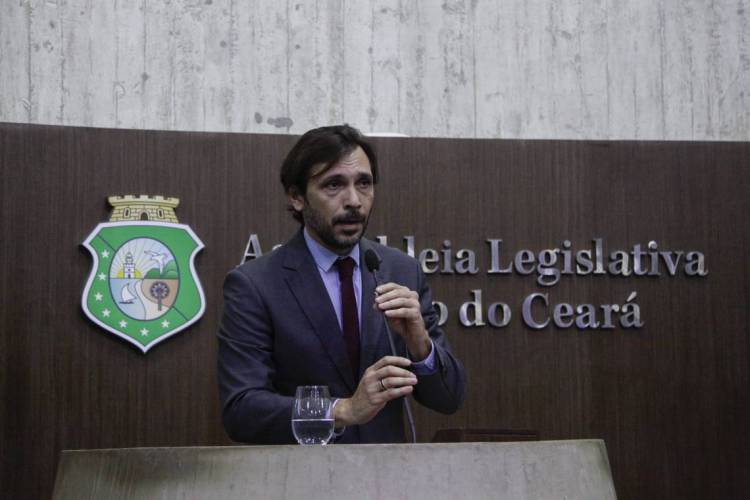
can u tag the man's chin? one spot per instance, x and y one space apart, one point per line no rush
346 239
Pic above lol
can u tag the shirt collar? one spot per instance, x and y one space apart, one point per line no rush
325 258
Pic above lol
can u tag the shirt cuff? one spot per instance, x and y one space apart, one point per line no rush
427 366
336 432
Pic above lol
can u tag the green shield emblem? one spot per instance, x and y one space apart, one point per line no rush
143 286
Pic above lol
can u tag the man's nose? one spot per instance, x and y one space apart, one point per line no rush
352 197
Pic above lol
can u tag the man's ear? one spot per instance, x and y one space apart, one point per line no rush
296 199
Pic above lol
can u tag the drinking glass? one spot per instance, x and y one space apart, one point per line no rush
312 419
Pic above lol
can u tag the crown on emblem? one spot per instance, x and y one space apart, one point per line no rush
143 208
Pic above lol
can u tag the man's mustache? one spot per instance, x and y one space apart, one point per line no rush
349 218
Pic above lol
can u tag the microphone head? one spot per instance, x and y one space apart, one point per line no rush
372 261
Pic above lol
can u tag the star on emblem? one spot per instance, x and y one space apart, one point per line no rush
105 254
165 324
123 323
105 313
98 297
102 276
144 331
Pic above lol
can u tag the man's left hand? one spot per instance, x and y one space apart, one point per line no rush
402 310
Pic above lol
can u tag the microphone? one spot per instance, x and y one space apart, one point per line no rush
372 261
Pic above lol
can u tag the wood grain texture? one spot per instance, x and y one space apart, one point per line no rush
549 69
670 400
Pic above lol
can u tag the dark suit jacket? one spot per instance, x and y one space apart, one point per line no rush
279 331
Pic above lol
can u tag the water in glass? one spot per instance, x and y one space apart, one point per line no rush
312 421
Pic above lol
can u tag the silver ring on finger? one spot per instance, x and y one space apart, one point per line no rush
383 385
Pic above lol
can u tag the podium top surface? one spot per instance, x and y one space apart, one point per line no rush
526 470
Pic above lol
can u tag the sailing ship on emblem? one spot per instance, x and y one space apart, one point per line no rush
126 295
143 286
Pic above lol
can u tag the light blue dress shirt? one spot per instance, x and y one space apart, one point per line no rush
325 261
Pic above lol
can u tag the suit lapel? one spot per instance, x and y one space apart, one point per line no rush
303 279
372 334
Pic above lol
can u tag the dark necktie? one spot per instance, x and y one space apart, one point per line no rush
349 316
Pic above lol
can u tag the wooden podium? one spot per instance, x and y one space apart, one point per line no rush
524 470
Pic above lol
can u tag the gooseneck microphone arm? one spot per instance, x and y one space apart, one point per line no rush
372 261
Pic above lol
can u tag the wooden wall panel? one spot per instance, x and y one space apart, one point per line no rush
671 399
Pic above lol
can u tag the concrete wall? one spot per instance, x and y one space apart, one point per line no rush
579 69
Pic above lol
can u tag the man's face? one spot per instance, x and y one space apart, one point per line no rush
337 204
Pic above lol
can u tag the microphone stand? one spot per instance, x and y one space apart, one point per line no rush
407 405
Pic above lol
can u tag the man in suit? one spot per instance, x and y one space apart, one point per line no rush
310 313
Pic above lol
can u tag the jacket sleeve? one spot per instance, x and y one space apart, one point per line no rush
445 389
252 410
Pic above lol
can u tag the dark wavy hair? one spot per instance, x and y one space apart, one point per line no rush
326 145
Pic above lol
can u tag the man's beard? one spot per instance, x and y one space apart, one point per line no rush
325 230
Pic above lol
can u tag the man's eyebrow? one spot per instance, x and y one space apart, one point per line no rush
322 177
322 173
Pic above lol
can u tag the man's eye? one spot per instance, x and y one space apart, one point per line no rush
365 182
332 185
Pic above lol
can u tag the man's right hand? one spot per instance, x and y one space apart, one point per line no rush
387 379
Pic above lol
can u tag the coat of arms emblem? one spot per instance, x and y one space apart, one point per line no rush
143 286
